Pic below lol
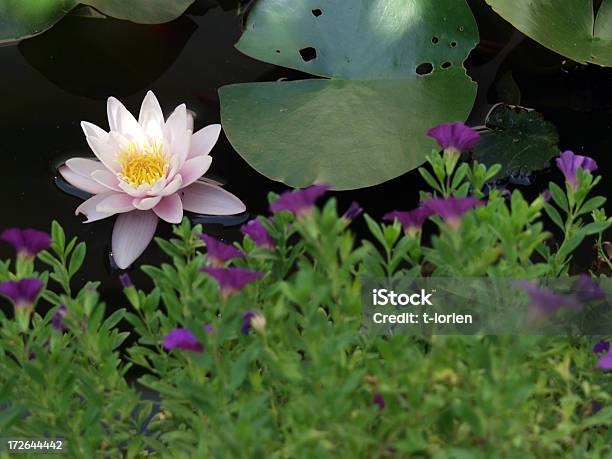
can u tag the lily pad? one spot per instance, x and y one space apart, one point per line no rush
574 28
20 19
521 140
392 69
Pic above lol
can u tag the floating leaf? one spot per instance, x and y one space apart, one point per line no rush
573 28
393 69
518 139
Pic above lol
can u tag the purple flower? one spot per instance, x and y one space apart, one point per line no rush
182 338
353 211
125 280
26 241
219 252
587 291
454 137
379 400
246 322
569 163
208 328
232 280
23 292
544 302
58 318
299 202
605 361
257 231
451 209
601 346
254 320
411 221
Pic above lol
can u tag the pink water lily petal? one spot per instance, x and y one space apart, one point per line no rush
91 130
179 146
206 198
106 179
116 203
84 166
135 192
121 120
157 187
203 141
172 187
170 209
147 203
104 151
132 234
80 181
190 121
89 208
194 168
176 123
151 117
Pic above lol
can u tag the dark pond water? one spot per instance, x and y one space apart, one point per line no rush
52 82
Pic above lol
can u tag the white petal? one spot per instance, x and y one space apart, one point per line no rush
116 203
205 198
179 147
91 130
194 168
84 166
80 181
107 179
170 209
89 208
105 152
122 121
176 123
157 187
132 234
151 117
147 203
172 187
203 141
139 192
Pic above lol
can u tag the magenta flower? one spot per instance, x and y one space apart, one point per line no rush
258 233
147 169
299 202
27 242
605 361
411 221
231 280
353 211
601 346
587 290
544 302
182 338
23 292
57 320
454 137
569 163
219 252
379 400
451 209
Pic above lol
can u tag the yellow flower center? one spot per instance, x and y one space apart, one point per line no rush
144 164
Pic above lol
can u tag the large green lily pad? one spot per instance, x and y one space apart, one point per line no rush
392 68
21 19
574 28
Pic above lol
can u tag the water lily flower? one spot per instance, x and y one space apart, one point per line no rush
379 400
147 169
299 202
219 252
231 280
126 280
353 211
569 163
411 221
605 361
23 292
451 209
182 338
57 321
258 233
544 302
254 320
27 242
601 346
454 137
587 291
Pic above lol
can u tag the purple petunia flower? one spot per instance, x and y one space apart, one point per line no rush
246 322
353 211
182 338
587 290
411 221
379 400
454 137
605 361
544 302
299 202
257 231
23 292
254 320
219 252
27 242
126 281
231 280
569 163
58 318
451 209
601 346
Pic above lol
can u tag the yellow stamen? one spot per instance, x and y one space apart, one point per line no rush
142 164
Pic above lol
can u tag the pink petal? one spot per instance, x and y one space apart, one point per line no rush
132 234
81 182
84 166
176 123
139 192
172 187
206 198
89 208
203 141
105 152
194 168
147 203
107 179
170 209
91 130
179 146
116 203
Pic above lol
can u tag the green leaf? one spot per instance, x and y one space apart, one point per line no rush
570 28
519 140
76 260
558 196
592 204
554 216
365 122
594 228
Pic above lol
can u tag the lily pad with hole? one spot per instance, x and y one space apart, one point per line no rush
521 140
20 19
578 29
390 69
